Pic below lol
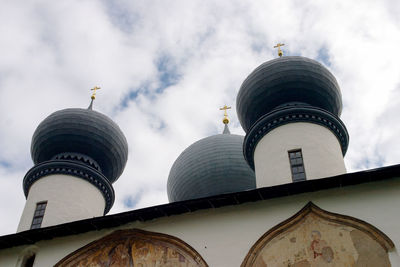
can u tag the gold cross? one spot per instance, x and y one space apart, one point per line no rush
94 91
225 120
278 45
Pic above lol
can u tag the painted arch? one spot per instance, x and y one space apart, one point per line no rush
315 238
137 248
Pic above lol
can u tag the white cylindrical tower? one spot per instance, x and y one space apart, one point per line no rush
78 154
289 108
67 198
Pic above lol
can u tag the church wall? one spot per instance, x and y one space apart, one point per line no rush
9 257
68 199
224 236
321 151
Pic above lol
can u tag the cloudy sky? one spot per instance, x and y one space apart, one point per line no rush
165 68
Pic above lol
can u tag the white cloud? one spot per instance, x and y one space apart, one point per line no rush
52 52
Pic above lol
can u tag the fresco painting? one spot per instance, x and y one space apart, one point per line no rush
135 248
316 242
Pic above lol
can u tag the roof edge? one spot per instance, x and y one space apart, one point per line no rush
182 207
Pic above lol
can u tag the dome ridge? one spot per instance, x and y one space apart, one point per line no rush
284 80
82 131
211 166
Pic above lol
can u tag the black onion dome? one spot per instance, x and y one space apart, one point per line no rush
82 132
285 80
211 166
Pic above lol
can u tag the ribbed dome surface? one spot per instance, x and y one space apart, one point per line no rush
82 131
285 80
211 166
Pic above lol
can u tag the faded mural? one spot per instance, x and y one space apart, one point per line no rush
135 248
315 241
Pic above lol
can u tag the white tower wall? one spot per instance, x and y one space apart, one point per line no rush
68 199
322 154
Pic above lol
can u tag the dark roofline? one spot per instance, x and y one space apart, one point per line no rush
181 207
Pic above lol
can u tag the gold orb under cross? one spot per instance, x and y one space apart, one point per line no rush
278 45
225 120
94 92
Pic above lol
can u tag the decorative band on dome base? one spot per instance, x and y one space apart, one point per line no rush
73 168
285 115
78 157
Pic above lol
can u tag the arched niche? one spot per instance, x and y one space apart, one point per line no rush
27 256
137 248
315 237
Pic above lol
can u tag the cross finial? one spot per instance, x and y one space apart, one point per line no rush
225 120
94 92
278 45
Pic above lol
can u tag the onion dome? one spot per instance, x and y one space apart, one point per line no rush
285 90
211 166
82 143
285 80
85 132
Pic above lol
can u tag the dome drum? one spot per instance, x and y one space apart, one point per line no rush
72 168
291 114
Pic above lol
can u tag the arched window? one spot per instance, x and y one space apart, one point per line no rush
27 256
28 261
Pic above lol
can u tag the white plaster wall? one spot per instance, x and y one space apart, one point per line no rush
9 257
321 150
224 236
68 199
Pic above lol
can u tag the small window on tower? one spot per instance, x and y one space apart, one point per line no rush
38 215
296 165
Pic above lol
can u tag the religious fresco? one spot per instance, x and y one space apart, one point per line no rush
135 248
316 238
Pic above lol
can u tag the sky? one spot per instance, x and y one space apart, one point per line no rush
166 67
